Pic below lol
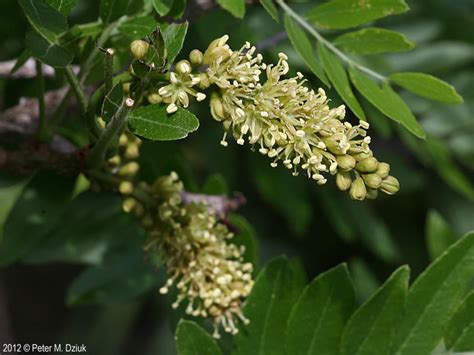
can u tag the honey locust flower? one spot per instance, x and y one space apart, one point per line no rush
289 122
206 268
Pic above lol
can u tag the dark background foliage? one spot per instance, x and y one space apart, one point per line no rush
317 225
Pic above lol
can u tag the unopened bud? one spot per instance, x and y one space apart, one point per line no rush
101 122
154 97
345 162
368 165
139 49
362 156
390 185
372 180
128 204
132 151
129 169
126 187
126 87
217 109
204 81
183 67
372 194
343 181
383 170
196 57
358 190
337 143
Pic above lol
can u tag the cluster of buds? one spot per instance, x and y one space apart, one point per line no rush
283 118
207 269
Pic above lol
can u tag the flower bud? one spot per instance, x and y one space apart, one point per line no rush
390 185
154 97
204 82
337 143
358 190
217 109
383 170
139 49
368 165
126 187
343 181
126 87
129 169
372 194
345 162
195 57
128 204
183 67
372 180
362 156
132 151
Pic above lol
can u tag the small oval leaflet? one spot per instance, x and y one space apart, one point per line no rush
153 122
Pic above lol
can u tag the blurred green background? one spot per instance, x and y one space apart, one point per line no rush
122 312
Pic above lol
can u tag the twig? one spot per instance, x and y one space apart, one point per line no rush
115 126
328 44
76 88
41 133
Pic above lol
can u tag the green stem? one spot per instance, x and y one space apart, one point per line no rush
115 126
41 133
76 88
327 43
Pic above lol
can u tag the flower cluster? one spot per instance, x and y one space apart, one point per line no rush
282 117
202 263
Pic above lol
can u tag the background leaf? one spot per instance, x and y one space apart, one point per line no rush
268 307
271 8
173 35
340 14
45 19
303 46
153 122
318 317
432 299
338 76
235 7
34 214
112 102
373 41
191 339
427 86
111 10
63 6
370 328
439 235
49 53
138 27
118 279
460 332
387 101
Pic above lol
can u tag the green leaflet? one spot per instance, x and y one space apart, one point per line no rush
268 307
373 41
191 339
439 235
318 317
153 122
371 327
338 76
303 46
431 300
235 7
459 336
427 86
340 14
387 101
